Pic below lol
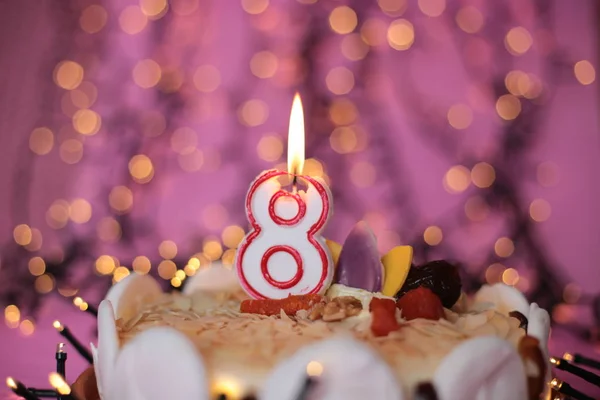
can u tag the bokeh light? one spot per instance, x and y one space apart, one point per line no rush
22 234
354 47
343 20
93 18
81 211
120 199
460 116
393 8
483 175
108 230
518 40
508 107
510 276
71 151
469 19
232 236
584 72
401 34
264 64
132 20
433 235
432 8
167 249
86 122
457 179
147 73
207 78
41 140
540 210
141 168
255 6
374 32
184 140
68 74
36 266
339 80
153 8
141 265
343 112
270 148
504 247
253 112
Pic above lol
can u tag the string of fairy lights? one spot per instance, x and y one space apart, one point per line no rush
339 99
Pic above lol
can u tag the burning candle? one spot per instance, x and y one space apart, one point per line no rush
284 254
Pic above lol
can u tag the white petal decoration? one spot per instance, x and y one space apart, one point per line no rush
538 326
482 368
159 364
350 370
501 297
128 295
108 347
215 279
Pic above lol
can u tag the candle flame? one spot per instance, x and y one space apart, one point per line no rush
295 156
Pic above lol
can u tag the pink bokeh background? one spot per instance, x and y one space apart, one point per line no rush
38 34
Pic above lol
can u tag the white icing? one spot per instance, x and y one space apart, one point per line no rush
365 296
538 326
158 364
502 298
214 279
482 368
132 292
108 347
351 370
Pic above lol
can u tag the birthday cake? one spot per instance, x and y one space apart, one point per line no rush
426 340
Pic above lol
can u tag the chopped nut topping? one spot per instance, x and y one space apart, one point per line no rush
336 309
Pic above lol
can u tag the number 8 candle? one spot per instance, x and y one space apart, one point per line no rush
284 254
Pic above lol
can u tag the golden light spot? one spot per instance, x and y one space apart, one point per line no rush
343 20
212 249
153 8
184 140
68 75
483 175
194 263
153 123
540 210
393 7
44 283
12 315
584 72
180 274
493 273
214 216
401 34
518 83
87 122
353 47
22 234
184 7
469 19
504 247
255 6
232 236
432 8
37 266
313 167
518 40
532 87
270 148
141 265
93 18
81 211
108 230
58 214
132 20
508 107
147 73
71 151
120 273
105 265
510 276
547 174
457 179
207 78
167 249
433 235
228 258
374 32
253 112
27 327
363 174
314 368
476 209
343 112
81 99
572 293
141 168
120 199
176 282
191 162
264 64
36 240
460 116
343 140
166 269
189 270
339 80
41 140
67 291
562 314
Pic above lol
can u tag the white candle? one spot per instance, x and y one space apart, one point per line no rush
284 253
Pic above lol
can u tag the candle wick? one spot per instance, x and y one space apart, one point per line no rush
295 184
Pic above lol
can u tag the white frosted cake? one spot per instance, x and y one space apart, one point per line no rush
427 341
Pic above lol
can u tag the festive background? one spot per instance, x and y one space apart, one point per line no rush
130 131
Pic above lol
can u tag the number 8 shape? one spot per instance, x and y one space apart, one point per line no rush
297 236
